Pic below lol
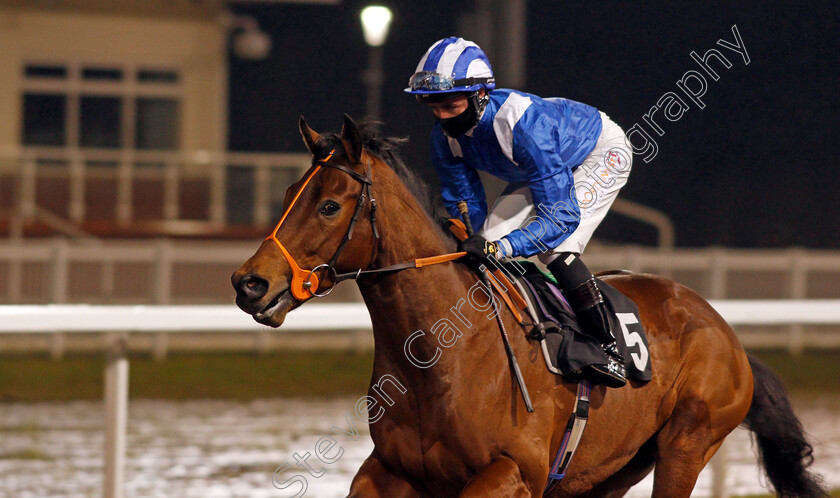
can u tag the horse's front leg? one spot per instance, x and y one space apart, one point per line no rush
374 480
500 478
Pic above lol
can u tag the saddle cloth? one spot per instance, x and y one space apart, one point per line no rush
567 348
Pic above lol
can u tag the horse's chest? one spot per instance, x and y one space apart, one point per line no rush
436 450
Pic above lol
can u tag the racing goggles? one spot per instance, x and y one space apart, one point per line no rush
436 82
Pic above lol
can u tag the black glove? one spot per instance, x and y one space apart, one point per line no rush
478 247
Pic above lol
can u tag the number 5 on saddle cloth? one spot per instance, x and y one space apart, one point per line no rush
566 348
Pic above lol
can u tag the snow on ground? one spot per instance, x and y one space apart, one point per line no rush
229 449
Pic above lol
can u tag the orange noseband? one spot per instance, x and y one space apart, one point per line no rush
304 282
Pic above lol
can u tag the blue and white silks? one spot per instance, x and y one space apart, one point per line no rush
521 138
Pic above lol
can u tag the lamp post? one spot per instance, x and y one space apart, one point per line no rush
375 23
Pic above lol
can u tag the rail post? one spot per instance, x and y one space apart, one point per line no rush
798 289
162 292
125 185
116 414
262 194
58 289
218 180
171 191
719 471
77 187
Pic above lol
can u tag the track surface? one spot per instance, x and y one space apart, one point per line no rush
227 448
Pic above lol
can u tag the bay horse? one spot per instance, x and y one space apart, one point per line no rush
460 427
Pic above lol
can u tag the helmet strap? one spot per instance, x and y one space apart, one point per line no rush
456 126
480 102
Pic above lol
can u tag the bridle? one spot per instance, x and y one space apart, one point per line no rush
305 282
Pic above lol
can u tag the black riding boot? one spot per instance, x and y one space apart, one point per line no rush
579 287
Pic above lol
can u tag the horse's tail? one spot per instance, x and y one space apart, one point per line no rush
782 449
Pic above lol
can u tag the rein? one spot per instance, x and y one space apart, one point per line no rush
305 283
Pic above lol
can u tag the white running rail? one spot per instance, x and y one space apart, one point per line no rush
52 318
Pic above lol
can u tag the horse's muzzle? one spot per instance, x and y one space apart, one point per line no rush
255 296
250 291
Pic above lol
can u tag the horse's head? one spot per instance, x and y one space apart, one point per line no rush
327 227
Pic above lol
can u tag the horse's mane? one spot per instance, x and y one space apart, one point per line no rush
387 149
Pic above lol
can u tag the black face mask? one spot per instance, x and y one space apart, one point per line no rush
456 126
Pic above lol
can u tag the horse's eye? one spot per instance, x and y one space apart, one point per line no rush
329 208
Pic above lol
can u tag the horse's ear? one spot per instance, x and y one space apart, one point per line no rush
351 138
310 136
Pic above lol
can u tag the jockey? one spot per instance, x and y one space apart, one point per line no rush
564 161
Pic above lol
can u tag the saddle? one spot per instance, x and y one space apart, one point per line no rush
566 348
536 302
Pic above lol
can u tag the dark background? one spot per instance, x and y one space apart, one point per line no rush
758 167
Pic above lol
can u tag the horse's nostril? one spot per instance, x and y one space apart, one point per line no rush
253 286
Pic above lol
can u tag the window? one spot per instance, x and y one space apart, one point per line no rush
101 74
100 122
101 106
43 119
36 71
157 124
155 76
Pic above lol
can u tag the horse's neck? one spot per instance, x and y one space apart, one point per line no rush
403 302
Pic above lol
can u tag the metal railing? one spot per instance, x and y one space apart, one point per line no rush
89 271
265 177
264 174
166 272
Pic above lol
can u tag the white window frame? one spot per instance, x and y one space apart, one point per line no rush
128 89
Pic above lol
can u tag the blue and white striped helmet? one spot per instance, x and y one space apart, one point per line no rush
452 65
